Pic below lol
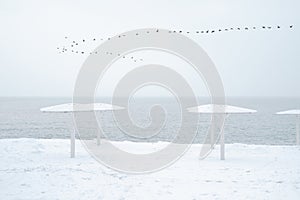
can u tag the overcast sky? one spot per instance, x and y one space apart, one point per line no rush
253 63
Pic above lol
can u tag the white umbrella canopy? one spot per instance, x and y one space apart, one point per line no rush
220 109
289 112
297 113
70 107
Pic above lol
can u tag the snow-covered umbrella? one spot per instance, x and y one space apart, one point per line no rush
297 113
220 109
70 107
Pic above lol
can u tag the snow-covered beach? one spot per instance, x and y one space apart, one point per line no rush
42 169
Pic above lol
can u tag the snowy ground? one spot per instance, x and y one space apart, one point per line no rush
41 169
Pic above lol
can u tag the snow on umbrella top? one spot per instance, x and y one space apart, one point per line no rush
289 112
70 107
220 109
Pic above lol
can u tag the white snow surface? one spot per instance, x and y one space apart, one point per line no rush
42 169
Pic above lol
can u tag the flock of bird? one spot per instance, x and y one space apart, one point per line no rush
72 47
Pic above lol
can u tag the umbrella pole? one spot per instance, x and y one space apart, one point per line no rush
73 144
297 130
212 135
222 142
98 138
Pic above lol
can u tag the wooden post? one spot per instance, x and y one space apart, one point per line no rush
73 144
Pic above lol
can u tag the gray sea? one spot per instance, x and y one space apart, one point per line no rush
21 118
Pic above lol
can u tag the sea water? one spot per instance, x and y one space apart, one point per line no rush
21 118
